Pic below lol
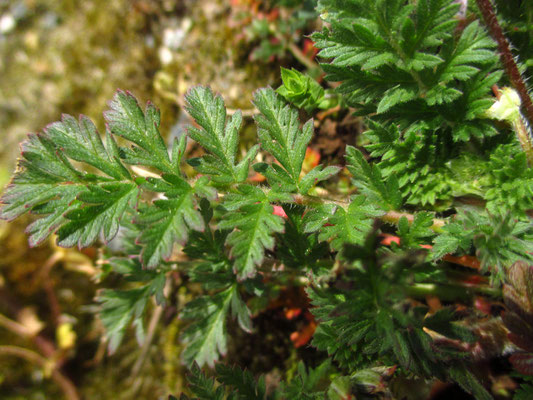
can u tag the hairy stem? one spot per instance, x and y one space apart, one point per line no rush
301 57
508 61
391 217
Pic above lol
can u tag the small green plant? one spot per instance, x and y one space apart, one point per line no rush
442 184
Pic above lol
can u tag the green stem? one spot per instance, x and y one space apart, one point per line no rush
393 217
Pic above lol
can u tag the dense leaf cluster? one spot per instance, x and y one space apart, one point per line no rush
424 82
424 77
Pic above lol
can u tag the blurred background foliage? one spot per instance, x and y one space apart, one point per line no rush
70 56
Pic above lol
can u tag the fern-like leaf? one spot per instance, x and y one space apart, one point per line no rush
166 221
219 138
370 181
206 336
280 134
119 307
341 226
251 216
79 206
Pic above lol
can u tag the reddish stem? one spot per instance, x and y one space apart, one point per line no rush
508 61
465 260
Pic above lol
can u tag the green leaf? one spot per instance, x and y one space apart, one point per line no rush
396 95
473 48
468 382
410 155
43 174
453 238
126 119
341 226
167 221
77 205
340 388
240 311
499 239
299 250
238 384
52 213
407 65
207 245
202 387
511 180
80 141
219 138
241 382
422 61
306 384
378 60
414 234
206 336
251 218
369 180
280 134
435 20
178 150
525 392
301 90
443 322
317 174
119 307
440 94
103 207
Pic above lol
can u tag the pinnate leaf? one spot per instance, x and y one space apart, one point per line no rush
167 221
370 181
79 206
280 134
80 141
99 210
203 387
126 119
341 226
242 382
219 138
206 336
119 307
254 224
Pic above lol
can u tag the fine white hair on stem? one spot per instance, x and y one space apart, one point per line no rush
464 6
